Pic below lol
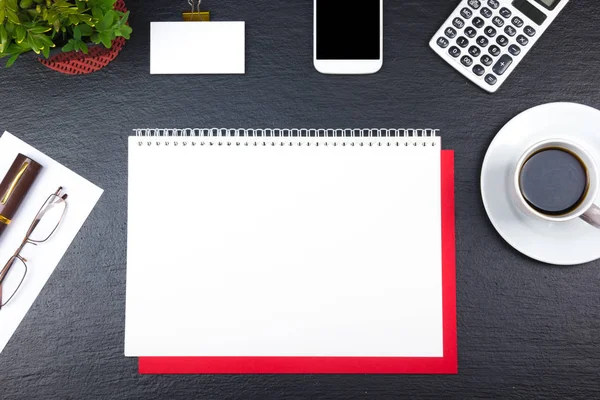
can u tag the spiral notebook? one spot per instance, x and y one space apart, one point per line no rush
290 251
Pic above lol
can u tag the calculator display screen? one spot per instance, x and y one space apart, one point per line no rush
549 4
348 29
532 12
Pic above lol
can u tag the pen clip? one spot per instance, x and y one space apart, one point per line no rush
14 183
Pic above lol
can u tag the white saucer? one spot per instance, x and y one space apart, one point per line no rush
560 243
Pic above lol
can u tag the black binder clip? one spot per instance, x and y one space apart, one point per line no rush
196 16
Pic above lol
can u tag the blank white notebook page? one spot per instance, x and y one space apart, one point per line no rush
283 250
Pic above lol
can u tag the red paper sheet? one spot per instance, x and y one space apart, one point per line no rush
448 364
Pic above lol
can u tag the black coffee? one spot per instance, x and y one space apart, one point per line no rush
554 181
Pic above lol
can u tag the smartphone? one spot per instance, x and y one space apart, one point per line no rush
348 36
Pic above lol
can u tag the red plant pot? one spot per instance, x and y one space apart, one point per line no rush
98 57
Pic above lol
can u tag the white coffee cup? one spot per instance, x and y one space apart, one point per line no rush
586 209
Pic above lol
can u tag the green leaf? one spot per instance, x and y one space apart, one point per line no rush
106 40
12 60
108 20
21 32
12 16
46 51
74 20
12 5
13 48
126 31
39 29
103 4
33 13
25 4
2 12
23 46
3 35
68 47
77 33
46 41
83 47
97 13
95 38
125 18
85 30
35 46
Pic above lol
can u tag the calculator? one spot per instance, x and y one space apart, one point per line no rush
486 39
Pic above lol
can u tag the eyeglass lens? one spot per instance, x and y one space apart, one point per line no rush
48 219
13 280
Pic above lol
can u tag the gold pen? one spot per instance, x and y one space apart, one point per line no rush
14 187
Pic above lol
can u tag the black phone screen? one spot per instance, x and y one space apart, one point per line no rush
348 29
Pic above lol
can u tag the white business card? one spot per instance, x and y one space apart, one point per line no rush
215 47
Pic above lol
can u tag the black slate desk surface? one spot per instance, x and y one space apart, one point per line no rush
525 329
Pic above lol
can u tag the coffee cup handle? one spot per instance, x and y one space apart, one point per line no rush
592 216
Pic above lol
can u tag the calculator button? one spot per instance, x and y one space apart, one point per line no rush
510 31
478 70
486 12
499 22
514 49
458 22
494 50
491 32
482 41
518 22
470 32
505 12
450 32
502 40
443 42
523 41
462 42
466 61
502 64
486 60
454 51
491 79
466 13
474 51
475 4
494 4
529 31
478 22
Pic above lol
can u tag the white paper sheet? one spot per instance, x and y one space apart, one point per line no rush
216 47
283 251
41 259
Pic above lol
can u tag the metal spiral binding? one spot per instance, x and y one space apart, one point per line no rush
286 137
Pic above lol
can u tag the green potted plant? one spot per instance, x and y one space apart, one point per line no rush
72 26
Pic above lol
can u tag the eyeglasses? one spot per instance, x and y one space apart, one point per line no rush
41 229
